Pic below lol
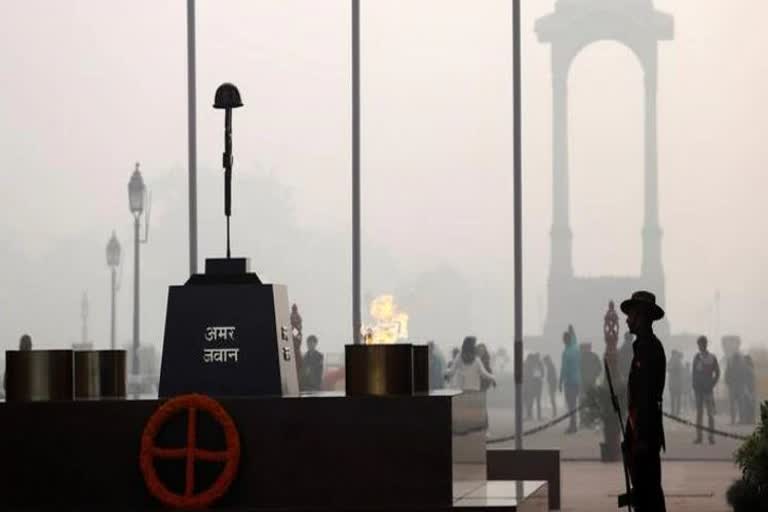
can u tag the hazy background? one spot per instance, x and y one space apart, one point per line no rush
87 88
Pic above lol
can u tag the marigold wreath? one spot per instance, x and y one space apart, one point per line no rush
149 452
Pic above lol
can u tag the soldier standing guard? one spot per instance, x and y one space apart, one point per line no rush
645 431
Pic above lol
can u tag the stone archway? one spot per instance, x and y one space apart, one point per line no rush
574 25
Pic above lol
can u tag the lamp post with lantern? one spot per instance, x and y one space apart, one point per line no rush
137 196
113 262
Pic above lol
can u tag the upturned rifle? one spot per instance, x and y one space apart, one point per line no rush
625 500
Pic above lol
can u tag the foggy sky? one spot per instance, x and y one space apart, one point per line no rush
90 87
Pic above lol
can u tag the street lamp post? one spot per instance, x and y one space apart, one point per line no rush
137 192
113 261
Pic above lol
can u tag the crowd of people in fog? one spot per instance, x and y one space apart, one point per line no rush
690 384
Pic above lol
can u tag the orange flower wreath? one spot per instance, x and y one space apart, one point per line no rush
230 456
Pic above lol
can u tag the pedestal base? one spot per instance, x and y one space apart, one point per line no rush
318 452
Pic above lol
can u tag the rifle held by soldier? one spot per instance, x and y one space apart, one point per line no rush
625 500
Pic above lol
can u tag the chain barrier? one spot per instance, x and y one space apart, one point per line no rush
538 428
703 428
560 419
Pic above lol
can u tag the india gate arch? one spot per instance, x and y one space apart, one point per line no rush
574 25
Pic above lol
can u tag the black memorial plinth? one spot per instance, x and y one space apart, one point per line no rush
318 452
228 334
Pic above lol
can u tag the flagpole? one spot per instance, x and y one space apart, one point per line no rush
518 222
356 311
192 135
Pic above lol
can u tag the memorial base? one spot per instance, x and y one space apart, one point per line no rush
321 452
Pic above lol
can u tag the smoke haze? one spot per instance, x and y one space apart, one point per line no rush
91 87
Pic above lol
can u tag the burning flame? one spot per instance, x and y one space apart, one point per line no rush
390 324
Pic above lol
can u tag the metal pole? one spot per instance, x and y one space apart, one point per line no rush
228 171
356 318
518 213
84 331
136 295
192 135
112 323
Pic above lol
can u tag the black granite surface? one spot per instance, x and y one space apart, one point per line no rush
324 451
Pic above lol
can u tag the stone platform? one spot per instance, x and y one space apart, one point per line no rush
314 452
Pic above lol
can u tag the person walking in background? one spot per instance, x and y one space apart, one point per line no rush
533 373
450 380
591 368
25 343
485 360
706 373
297 328
570 375
749 408
675 370
312 366
454 353
500 360
436 367
466 371
734 380
549 366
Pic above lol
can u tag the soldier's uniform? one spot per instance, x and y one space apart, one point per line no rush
644 424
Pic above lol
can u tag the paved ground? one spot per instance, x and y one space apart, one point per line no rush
696 477
689 486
